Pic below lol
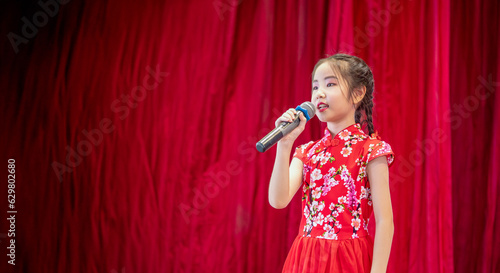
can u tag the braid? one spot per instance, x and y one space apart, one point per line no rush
358 114
368 106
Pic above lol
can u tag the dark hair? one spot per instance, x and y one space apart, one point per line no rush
357 74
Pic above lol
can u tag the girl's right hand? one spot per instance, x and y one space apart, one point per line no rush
288 116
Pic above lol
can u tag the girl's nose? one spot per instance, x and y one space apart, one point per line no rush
320 94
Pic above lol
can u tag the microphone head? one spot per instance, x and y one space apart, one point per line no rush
308 109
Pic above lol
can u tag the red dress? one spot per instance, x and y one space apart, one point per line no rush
336 203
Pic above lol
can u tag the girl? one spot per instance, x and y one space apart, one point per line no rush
345 176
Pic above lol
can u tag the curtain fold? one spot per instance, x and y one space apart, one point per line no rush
133 126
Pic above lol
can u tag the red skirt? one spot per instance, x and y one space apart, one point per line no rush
322 255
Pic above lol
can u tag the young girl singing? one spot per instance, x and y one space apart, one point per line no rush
345 175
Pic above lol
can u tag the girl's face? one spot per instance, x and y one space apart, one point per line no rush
329 95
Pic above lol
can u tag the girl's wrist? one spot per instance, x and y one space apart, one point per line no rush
285 145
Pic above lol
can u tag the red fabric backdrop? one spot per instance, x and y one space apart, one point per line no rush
133 125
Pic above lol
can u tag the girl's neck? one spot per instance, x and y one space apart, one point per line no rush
336 127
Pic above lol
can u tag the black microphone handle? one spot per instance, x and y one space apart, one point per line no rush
277 133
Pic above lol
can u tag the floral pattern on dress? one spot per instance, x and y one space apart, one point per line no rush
336 199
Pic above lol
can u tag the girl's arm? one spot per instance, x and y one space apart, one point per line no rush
378 175
286 179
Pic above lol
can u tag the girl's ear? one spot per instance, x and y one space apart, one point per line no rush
359 94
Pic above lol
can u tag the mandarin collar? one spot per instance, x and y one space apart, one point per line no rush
353 128
329 141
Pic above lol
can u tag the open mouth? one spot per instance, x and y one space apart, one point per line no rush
322 106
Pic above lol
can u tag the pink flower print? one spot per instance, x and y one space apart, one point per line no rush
327 228
325 158
346 151
364 193
329 181
340 209
316 193
344 135
303 147
313 150
318 219
306 212
335 214
330 235
362 173
333 182
386 148
351 193
342 200
321 206
358 162
308 227
351 198
356 223
345 175
305 171
326 189
355 235
314 159
316 175
314 206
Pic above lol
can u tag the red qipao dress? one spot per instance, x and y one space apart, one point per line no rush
336 203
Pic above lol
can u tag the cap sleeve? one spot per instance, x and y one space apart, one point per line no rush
302 150
380 148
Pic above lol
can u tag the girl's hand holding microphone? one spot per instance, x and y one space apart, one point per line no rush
289 116
288 127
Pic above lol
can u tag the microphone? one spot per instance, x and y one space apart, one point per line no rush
284 128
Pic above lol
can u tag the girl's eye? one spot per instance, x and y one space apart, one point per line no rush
315 88
331 84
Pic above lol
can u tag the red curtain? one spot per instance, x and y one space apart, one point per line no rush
133 127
